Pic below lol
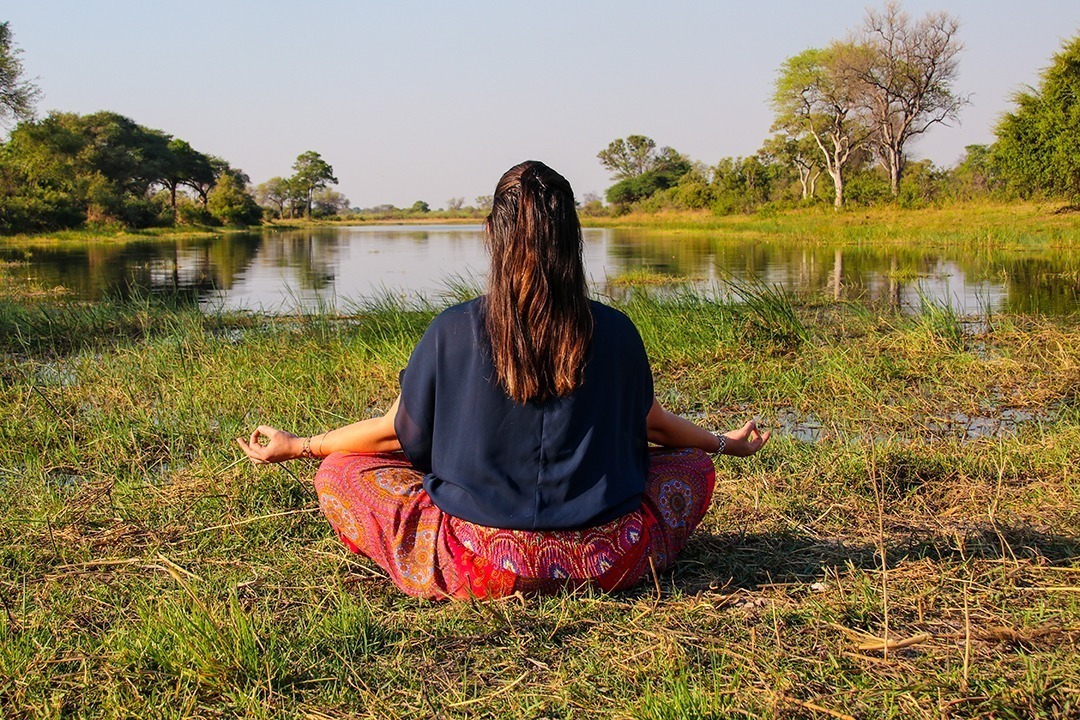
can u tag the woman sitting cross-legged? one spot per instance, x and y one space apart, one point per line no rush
517 457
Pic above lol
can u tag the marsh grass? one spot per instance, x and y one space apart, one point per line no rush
110 234
645 277
991 227
146 571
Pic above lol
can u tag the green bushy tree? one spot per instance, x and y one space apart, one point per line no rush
640 169
311 173
1038 144
975 176
230 202
97 168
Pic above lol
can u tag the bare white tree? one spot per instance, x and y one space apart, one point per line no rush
905 70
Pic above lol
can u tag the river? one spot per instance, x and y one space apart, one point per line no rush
344 268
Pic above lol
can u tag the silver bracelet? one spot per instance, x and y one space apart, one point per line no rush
723 444
305 452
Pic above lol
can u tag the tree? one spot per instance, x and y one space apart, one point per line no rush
484 202
633 189
816 96
1038 144
800 154
629 158
592 205
975 175
311 173
905 71
693 191
326 202
105 162
420 207
230 202
640 169
67 169
296 197
741 184
273 194
186 166
455 203
203 182
17 95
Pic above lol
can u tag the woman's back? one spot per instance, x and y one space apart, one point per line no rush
571 461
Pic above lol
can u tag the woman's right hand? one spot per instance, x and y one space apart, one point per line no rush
279 446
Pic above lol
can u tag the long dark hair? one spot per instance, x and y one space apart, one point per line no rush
538 318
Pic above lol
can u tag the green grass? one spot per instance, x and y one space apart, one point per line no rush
990 226
645 277
147 571
113 234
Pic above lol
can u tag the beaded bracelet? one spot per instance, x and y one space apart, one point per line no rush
723 444
305 452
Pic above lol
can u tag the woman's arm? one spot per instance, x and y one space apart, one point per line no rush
372 435
667 428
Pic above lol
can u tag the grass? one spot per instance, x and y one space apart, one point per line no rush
986 225
645 277
899 567
113 234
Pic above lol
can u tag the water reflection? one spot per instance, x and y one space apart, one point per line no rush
279 271
968 280
191 268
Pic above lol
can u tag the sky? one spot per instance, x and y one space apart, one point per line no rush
412 100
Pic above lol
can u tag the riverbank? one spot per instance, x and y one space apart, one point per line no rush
1005 225
907 545
991 224
116 235
425 219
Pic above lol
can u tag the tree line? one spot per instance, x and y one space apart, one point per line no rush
69 170
848 112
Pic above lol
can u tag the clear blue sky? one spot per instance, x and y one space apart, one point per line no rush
429 100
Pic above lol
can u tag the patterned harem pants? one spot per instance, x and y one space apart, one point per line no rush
379 508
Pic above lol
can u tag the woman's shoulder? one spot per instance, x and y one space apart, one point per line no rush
605 316
467 312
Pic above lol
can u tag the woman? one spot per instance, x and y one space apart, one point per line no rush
516 456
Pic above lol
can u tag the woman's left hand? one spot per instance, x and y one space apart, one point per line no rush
745 441
280 445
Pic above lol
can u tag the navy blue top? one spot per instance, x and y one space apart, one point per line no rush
570 462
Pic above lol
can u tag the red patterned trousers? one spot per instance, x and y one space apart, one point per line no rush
379 508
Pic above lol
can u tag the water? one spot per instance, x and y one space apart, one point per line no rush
282 271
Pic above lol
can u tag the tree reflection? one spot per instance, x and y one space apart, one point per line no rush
1043 281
